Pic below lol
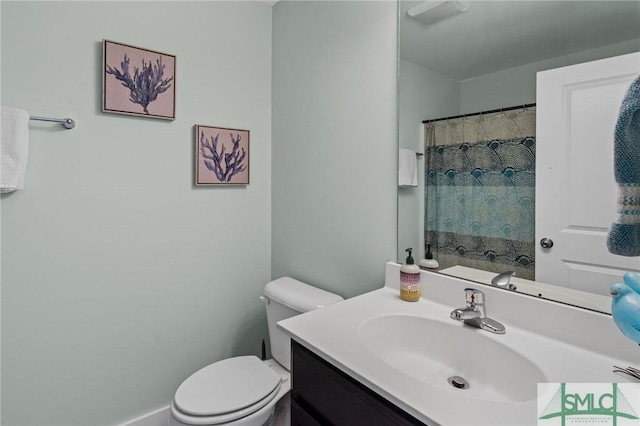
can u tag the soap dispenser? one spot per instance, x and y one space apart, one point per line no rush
409 279
429 263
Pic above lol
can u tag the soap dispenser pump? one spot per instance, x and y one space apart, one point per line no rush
409 279
429 263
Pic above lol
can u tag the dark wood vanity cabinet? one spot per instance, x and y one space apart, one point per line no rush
323 395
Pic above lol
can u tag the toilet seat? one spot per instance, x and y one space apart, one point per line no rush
225 391
224 418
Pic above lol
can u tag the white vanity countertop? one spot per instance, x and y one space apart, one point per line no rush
581 346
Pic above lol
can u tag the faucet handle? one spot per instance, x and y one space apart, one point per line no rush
475 300
473 296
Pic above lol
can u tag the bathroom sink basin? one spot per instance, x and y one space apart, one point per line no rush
433 351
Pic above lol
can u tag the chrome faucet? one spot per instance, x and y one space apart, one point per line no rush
474 313
503 280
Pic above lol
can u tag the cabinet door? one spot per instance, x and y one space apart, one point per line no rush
331 397
299 417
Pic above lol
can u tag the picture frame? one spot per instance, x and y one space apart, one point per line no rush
221 156
138 81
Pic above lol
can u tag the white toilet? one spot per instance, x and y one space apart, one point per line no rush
245 390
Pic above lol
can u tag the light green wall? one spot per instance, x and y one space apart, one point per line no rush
423 94
517 86
334 143
119 278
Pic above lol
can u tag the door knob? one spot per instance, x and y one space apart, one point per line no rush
546 243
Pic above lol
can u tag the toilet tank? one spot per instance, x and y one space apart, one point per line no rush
287 297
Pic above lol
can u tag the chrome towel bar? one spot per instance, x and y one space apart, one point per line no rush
67 123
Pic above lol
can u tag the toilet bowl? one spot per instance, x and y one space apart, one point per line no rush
245 391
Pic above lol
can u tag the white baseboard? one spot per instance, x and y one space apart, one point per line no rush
159 417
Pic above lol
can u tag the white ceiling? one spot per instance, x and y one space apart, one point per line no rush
495 35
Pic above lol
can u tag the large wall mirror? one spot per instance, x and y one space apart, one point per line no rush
507 97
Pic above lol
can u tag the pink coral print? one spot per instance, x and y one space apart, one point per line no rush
222 156
138 81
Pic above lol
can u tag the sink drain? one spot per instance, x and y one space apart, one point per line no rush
458 382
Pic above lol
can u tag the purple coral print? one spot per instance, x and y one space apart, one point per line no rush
138 81
146 84
233 162
222 156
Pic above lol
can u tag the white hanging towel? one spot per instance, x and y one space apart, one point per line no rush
14 148
407 168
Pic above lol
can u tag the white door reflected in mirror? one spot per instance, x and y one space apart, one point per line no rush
576 190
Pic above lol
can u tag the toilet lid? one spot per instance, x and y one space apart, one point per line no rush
226 386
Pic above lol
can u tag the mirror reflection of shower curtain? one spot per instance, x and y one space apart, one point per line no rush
480 192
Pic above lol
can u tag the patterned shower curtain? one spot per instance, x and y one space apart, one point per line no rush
480 192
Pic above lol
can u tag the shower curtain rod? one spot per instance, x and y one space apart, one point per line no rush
480 113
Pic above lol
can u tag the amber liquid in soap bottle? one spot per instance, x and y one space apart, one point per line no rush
409 279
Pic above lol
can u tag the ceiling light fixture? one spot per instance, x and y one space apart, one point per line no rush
431 12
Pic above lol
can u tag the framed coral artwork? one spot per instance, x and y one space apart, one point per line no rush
138 81
222 156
